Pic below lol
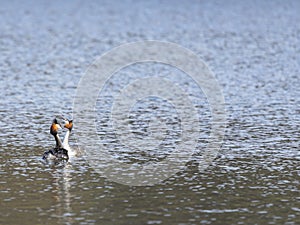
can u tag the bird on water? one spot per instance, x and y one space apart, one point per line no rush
58 152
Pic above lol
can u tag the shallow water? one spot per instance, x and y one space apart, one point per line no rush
253 50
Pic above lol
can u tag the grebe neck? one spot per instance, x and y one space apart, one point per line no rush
71 152
58 141
66 140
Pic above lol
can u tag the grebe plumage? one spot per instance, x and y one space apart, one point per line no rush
58 152
65 144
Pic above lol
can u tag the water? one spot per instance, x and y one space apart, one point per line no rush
253 49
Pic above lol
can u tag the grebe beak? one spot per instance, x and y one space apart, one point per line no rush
65 122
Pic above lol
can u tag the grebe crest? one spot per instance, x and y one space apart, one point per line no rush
55 126
69 124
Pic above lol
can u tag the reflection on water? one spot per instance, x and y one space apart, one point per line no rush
252 48
62 182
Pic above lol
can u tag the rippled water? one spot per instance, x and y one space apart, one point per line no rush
253 50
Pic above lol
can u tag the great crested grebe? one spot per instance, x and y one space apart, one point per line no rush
58 152
69 126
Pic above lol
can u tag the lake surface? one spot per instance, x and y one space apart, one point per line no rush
252 48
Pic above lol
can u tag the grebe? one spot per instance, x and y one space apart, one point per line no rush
58 152
69 126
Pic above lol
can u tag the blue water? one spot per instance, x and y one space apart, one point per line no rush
251 47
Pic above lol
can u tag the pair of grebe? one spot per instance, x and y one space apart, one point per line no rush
62 150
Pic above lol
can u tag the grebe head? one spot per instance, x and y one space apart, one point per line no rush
55 126
68 124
